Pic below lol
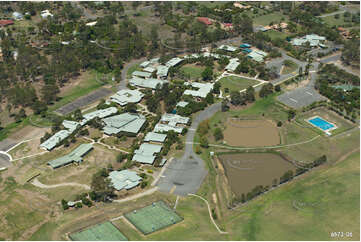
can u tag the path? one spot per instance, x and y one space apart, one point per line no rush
210 213
108 146
138 195
265 147
37 183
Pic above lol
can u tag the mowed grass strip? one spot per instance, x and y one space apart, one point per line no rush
100 232
153 217
235 83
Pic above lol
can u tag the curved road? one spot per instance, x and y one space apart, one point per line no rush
185 175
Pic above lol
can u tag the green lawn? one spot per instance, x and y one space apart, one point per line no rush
193 71
267 19
310 208
266 107
274 34
234 83
332 21
44 232
289 68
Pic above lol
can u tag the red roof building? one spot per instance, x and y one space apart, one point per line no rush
204 20
6 22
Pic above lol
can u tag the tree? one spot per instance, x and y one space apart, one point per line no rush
131 108
78 115
64 204
216 88
210 98
291 114
225 106
204 142
207 74
101 185
236 98
279 124
218 134
300 71
277 88
121 157
250 94
266 90
203 128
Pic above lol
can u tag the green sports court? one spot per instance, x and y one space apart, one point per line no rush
153 217
100 232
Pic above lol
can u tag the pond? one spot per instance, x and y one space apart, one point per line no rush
245 171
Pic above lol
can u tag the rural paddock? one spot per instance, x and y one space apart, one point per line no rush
251 133
245 171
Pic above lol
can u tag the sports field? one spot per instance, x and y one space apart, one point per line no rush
153 217
100 232
250 133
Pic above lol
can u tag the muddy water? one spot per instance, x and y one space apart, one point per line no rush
248 170
251 133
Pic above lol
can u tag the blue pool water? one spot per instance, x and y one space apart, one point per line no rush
321 123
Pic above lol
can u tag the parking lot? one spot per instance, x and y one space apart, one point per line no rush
300 97
84 101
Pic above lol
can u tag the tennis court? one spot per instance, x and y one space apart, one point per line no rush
153 217
100 232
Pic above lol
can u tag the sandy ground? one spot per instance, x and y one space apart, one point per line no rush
251 133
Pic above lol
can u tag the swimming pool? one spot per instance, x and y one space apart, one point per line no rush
321 123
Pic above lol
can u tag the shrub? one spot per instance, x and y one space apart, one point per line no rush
279 124
218 134
78 205
64 204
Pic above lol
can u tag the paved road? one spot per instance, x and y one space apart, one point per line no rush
278 62
84 101
185 175
123 84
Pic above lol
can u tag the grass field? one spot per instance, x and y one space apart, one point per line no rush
193 71
332 21
234 83
266 107
267 19
310 208
274 34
